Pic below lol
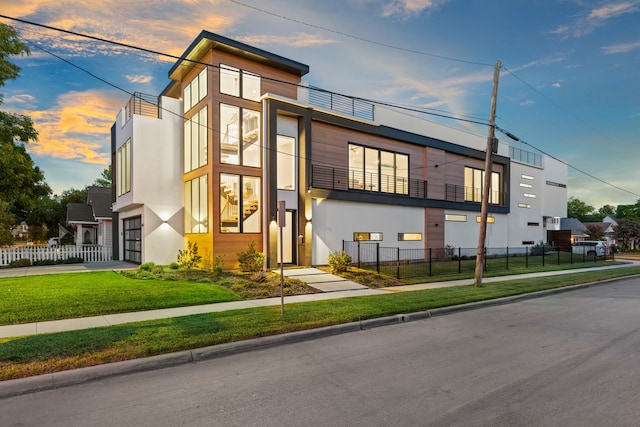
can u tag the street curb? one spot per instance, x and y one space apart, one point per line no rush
11 388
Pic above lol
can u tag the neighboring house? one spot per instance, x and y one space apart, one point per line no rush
578 231
237 134
92 221
20 231
606 228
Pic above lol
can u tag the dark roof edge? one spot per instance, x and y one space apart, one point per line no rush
233 46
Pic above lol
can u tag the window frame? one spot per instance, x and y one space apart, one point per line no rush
241 148
242 202
366 170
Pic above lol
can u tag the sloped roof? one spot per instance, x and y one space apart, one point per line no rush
606 227
80 212
576 227
99 198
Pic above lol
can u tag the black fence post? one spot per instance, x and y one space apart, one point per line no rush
398 263
507 257
558 255
486 264
526 256
459 260
343 245
430 263
358 253
378 257
543 248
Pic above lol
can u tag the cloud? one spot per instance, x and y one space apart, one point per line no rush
527 103
138 79
621 48
294 40
407 8
589 20
76 127
556 85
20 101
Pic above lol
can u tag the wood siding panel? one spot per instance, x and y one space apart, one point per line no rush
434 228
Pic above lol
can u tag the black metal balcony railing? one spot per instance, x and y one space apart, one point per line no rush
142 105
330 178
341 103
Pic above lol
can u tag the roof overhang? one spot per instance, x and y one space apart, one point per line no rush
207 41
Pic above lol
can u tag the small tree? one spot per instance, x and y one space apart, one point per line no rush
189 258
251 260
594 232
339 261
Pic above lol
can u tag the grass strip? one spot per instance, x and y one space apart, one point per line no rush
39 354
72 295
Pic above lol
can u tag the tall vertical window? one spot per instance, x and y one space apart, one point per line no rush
371 169
123 167
195 91
286 166
239 136
240 207
236 82
196 207
195 140
473 183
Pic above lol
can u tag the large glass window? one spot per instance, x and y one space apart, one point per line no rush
236 82
286 166
473 183
371 169
196 207
195 141
240 206
231 128
195 91
123 168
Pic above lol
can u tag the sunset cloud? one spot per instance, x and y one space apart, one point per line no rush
409 7
138 79
590 20
621 48
295 40
77 127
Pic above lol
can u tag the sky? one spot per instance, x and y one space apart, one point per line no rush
569 85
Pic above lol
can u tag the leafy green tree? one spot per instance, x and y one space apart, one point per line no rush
105 178
594 232
630 212
606 210
21 181
7 221
578 209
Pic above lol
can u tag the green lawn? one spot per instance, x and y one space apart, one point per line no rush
38 354
64 296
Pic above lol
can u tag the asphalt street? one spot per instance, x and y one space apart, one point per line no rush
569 359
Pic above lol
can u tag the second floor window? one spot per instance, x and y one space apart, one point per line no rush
473 183
195 91
239 136
123 168
371 169
195 141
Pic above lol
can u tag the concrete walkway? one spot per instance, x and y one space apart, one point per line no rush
332 287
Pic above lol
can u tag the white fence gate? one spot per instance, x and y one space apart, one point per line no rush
40 253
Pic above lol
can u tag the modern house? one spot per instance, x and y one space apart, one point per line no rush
238 142
92 220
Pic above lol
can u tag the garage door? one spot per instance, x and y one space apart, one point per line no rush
133 239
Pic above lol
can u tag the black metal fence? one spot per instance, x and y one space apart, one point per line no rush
429 262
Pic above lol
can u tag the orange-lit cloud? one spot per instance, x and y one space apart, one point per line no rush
295 40
77 127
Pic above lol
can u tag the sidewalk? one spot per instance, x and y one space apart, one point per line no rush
332 287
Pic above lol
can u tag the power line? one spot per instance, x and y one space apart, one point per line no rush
433 55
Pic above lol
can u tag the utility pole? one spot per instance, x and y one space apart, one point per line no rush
486 188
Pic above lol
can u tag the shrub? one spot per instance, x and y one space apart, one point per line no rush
539 248
339 261
71 260
44 262
189 258
218 265
147 266
251 260
23 262
174 266
259 276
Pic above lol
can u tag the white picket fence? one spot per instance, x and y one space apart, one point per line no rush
39 253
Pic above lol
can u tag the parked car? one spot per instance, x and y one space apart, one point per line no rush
590 247
53 242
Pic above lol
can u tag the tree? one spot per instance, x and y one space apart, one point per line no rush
7 221
578 209
105 178
594 231
606 210
626 231
21 182
630 212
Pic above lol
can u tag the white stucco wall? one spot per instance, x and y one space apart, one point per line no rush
334 221
156 181
465 234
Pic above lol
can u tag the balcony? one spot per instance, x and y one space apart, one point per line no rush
142 105
330 178
341 103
